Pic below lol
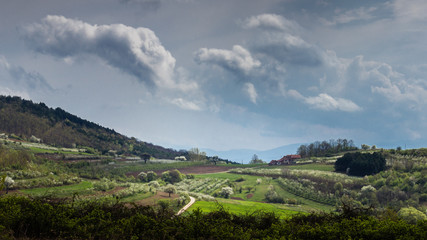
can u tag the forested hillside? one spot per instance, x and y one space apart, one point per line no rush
24 119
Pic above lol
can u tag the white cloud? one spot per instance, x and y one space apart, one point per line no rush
136 51
287 48
352 15
251 91
328 103
238 60
410 10
185 104
270 22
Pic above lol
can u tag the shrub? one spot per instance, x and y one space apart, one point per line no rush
154 184
104 185
226 192
240 179
172 176
272 196
143 177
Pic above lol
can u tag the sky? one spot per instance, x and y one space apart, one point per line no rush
225 74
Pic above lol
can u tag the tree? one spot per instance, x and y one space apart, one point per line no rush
256 160
412 215
365 147
196 155
172 176
214 159
151 176
170 189
145 157
8 183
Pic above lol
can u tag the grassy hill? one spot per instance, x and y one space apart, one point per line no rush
23 119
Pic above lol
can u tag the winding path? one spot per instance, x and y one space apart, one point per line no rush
192 200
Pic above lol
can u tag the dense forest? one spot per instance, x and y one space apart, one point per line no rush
22 119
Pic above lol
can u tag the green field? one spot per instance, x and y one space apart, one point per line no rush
245 207
257 191
82 188
313 166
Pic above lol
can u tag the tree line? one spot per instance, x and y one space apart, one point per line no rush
326 148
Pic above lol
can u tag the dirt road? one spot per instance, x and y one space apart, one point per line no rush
192 200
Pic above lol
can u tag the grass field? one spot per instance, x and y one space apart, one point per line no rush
62 191
313 166
245 207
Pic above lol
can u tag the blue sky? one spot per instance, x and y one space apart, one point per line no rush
225 74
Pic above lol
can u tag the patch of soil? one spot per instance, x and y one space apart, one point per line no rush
153 199
237 198
250 195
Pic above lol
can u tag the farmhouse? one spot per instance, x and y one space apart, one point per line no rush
288 159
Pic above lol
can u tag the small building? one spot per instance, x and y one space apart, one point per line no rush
288 159
181 158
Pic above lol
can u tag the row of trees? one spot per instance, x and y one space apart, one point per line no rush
325 148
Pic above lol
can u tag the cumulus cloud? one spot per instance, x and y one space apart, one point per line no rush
328 103
136 51
238 60
270 22
280 40
251 91
290 49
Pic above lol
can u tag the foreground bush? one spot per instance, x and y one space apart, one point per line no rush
24 218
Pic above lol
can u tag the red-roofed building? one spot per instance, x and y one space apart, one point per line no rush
288 159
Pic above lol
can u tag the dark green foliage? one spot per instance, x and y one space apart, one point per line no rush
343 162
24 218
172 176
361 164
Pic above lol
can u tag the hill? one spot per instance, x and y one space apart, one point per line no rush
23 119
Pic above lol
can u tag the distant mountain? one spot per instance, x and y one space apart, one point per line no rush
245 155
24 119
